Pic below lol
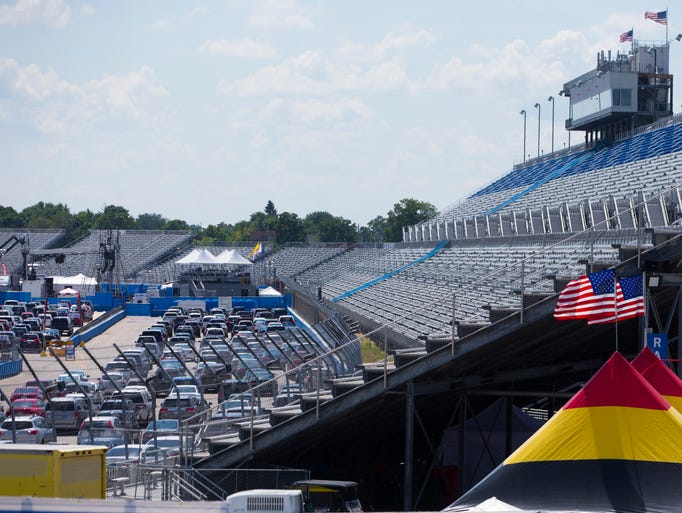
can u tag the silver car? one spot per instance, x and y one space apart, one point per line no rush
29 430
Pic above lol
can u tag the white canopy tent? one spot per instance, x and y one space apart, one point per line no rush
232 257
268 291
198 257
68 291
79 282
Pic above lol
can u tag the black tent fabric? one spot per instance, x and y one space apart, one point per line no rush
485 440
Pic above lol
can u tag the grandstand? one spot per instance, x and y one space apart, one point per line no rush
463 305
129 252
34 239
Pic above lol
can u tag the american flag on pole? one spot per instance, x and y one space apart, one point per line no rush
629 301
626 36
587 297
659 17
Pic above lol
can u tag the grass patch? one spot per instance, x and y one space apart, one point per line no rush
370 351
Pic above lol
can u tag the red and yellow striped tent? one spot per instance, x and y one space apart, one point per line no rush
660 377
615 446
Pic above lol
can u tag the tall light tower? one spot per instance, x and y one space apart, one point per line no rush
523 113
537 106
551 99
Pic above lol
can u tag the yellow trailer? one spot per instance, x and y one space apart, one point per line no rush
74 471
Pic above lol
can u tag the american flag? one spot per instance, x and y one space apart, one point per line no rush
626 36
587 297
629 301
659 17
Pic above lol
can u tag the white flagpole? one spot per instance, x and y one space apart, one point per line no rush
667 22
615 305
646 310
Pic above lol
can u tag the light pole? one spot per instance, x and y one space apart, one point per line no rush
653 50
523 113
551 99
537 106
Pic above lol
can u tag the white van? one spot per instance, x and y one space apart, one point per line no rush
265 501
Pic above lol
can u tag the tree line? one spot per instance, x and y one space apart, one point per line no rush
265 224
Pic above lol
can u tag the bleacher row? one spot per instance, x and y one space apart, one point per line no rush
35 239
164 270
613 213
138 248
418 301
648 163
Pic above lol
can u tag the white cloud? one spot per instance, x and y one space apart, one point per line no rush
244 48
280 14
57 105
322 110
312 73
293 76
159 25
51 13
391 43
88 9
198 11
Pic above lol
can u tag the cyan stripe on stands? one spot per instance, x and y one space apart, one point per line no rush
386 276
543 180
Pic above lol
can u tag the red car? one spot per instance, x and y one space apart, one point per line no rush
30 407
26 393
76 318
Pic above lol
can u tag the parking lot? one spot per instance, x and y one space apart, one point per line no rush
123 334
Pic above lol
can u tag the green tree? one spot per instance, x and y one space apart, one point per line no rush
175 224
270 209
289 228
150 222
376 230
324 227
114 217
10 218
407 212
80 224
47 215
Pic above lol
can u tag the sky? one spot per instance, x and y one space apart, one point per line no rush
204 111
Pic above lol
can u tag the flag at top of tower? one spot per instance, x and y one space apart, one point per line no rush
659 17
626 36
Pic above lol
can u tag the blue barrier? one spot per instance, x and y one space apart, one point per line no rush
161 304
23 297
388 275
99 328
138 309
11 368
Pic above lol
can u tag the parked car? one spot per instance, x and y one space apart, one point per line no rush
27 393
64 325
31 342
188 406
164 427
108 382
236 408
166 447
106 430
124 409
27 406
66 413
28 429
142 400
122 455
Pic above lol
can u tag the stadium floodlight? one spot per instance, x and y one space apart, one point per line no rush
523 113
653 51
551 99
678 37
537 106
